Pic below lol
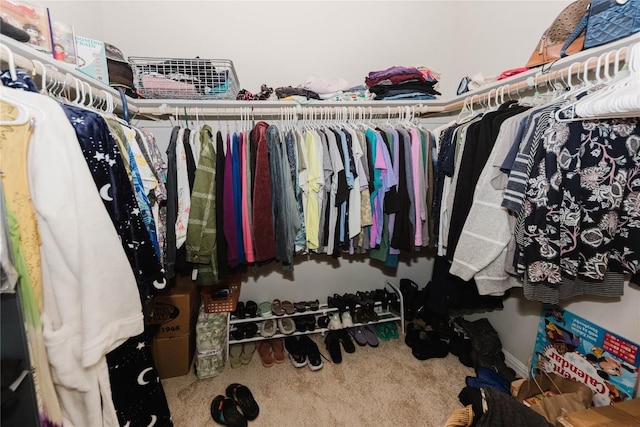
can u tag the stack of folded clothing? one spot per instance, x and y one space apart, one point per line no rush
405 83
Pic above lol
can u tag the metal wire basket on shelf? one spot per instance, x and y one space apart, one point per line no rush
182 78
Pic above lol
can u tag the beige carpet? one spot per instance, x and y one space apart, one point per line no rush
383 386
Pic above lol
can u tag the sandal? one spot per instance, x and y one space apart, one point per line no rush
278 350
243 397
276 307
381 331
264 350
247 353
314 305
300 307
225 412
288 308
392 329
235 355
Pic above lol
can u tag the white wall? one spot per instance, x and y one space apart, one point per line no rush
282 43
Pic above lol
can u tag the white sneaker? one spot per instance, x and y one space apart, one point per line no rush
334 321
347 321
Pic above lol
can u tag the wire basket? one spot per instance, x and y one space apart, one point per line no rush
194 78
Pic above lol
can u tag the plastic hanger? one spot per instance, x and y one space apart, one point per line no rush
620 97
10 60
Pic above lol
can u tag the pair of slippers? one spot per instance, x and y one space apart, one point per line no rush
279 308
365 334
387 331
236 408
241 354
271 351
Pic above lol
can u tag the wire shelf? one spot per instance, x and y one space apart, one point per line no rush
181 78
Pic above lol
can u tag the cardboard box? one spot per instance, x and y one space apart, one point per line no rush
623 414
173 356
176 309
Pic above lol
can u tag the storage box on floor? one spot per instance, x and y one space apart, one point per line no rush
623 414
174 313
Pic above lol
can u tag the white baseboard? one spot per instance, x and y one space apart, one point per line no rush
521 369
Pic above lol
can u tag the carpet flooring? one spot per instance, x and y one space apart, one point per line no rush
382 386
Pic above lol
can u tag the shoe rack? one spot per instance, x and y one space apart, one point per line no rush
384 315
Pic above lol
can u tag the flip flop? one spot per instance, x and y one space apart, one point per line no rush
381 331
264 350
235 355
243 397
224 411
392 330
247 353
278 350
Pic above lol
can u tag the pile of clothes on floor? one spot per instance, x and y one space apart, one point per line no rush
403 83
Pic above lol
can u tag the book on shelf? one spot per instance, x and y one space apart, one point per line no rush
64 43
34 20
92 58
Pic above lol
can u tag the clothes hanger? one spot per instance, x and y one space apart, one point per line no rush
10 60
567 113
620 98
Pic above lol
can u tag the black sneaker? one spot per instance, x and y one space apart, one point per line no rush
297 352
313 352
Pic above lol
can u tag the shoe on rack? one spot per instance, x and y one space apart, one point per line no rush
300 306
296 351
224 411
323 321
301 325
250 330
278 350
239 312
286 325
238 332
347 321
268 328
247 352
332 342
357 332
235 354
276 307
288 307
244 399
251 309
313 353
264 309
334 321
313 305
264 350
310 322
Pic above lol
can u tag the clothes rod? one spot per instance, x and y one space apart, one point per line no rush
276 109
606 59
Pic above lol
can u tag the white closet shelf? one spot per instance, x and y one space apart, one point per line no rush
160 108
